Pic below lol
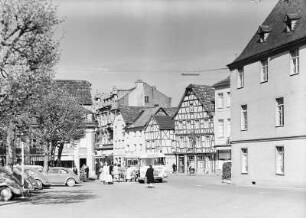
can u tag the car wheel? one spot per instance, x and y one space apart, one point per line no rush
6 194
70 182
39 183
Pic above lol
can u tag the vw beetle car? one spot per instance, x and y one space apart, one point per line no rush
9 185
62 176
37 174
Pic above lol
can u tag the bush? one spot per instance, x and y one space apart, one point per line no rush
226 171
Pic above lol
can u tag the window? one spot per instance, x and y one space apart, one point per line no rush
291 21
244 117
228 99
191 108
221 128
280 111
220 100
228 127
264 71
244 161
294 62
240 78
146 99
263 32
280 160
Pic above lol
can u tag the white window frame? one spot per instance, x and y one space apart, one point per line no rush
280 112
244 118
279 160
264 70
220 100
221 128
244 160
240 77
147 99
228 127
294 62
228 99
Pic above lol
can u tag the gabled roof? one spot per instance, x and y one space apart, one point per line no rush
279 40
164 122
204 93
223 83
130 113
170 111
79 89
144 118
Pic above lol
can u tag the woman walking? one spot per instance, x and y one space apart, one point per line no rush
150 177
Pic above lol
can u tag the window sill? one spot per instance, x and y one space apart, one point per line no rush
294 74
262 82
244 173
240 87
279 126
280 174
244 130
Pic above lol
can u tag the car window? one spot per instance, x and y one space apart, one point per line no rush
63 171
53 171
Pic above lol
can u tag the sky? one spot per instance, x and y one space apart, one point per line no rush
116 42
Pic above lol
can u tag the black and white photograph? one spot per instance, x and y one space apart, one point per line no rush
152 108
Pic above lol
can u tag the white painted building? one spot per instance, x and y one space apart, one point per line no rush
268 101
222 122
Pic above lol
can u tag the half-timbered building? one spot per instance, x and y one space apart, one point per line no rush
194 130
160 138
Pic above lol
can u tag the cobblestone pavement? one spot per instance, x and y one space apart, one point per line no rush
180 196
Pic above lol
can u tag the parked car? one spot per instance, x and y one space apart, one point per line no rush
62 176
9 185
37 174
29 182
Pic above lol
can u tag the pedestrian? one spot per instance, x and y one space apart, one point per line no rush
87 172
111 167
128 175
116 173
98 167
173 168
106 174
75 170
150 176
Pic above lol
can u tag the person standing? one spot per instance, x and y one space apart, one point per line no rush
87 172
150 176
128 175
173 168
116 173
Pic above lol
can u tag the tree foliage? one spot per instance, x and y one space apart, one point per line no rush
28 55
59 119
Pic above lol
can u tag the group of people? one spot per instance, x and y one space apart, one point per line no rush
110 173
107 173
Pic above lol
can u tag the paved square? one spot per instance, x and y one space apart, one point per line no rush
180 196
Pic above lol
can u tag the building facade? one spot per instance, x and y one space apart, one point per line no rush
194 130
124 117
268 101
160 138
107 105
222 122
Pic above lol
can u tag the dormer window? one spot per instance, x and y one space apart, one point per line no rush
263 32
291 21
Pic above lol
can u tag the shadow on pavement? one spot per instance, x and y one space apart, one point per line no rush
59 197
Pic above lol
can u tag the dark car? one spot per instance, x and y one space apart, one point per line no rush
37 174
9 185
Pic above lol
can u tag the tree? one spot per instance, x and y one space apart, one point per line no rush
28 54
59 120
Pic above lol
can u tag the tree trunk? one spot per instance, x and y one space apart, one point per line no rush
47 152
59 153
10 145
